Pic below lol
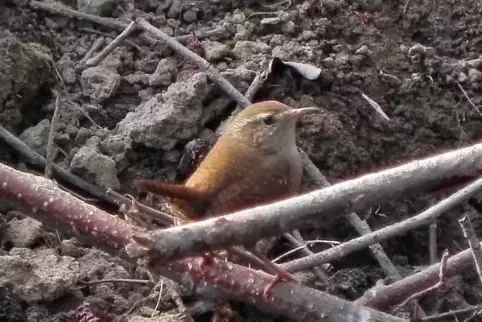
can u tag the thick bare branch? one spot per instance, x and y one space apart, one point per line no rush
424 218
303 211
53 206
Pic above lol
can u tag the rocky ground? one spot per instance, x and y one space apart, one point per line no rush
137 113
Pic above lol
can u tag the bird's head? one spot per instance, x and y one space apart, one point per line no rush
269 125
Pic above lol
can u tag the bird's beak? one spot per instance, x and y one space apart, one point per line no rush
296 113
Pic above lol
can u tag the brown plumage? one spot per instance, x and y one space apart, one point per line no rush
254 161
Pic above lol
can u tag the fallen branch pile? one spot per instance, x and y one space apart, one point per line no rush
174 252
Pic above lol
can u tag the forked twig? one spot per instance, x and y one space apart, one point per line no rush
50 142
441 281
473 240
111 46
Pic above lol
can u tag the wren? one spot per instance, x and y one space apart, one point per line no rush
255 161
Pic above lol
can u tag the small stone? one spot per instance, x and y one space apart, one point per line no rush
277 40
241 33
24 232
167 30
62 139
162 122
97 7
215 51
329 62
38 276
99 83
462 77
245 49
37 136
239 16
363 50
175 9
99 168
341 60
164 74
474 75
51 24
189 16
308 34
82 135
159 20
173 23
289 27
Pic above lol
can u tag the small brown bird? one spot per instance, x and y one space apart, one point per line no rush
255 161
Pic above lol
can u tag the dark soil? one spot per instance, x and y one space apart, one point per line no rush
419 60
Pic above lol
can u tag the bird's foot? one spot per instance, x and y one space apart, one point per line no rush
280 277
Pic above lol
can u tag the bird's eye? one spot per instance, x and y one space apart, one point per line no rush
268 120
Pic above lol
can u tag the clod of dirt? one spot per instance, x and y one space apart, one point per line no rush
99 83
96 7
245 50
161 318
3 230
11 308
37 136
36 276
72 247
240 77
95 265
40 313
91 163
348 283
165 72
24 70
119 148
24 232
215 51
165 120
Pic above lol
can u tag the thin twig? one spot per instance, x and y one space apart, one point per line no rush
296 239
161 289
94 61
441 281
304 245
468 99
364 229
432 242
473 240
116 280
375 106
171 288
98 43
106 35
454 313
50 142
405 7
150 214
256 85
